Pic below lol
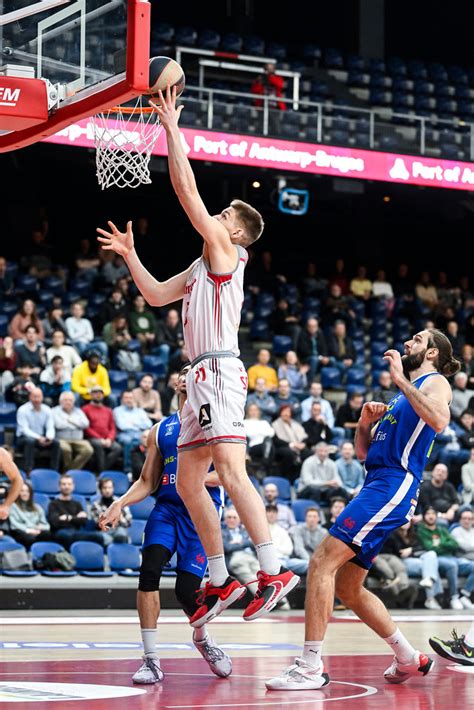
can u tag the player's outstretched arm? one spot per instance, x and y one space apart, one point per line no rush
430 403
182 177
371 413
143 487
155 293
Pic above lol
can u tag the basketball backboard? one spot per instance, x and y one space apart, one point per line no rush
93 54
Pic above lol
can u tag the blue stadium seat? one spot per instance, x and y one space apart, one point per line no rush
378 363
331 378
38 549
120 481
3 325
209 39
136 530
377 348
154 364
43 500
311 51
25 282
7 413
283 485
277 50
124 559
83 501
53 284
45 480
356 376
8 308
265 299
90 559
186 36
254 45
163 32
259 330
299 508
143 509
232 42
8 538
281 344
118 379
333 59
6 546
355 389
85 482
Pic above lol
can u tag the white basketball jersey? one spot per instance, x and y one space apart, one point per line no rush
212 306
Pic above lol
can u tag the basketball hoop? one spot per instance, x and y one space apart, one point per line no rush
124 138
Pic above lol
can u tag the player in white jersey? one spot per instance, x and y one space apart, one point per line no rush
212 419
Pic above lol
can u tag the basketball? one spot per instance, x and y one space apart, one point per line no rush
164 71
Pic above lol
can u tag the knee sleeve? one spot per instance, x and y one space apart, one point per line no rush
154 558
187 585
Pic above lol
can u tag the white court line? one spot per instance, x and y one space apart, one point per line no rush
113 620
317 695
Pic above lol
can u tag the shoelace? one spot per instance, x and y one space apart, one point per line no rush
457 642
296 671
262 579
212 653
203 593
150 663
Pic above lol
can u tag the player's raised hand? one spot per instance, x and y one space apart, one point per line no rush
119 242
110 518
372 412
166 109
394 360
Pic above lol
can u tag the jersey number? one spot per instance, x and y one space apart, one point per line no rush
245 381
200 374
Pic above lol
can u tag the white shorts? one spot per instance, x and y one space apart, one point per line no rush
214 409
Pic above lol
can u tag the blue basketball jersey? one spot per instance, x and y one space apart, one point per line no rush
167 433
402 440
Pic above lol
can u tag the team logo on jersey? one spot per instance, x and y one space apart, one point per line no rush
205 415
169 429
349 523
200 558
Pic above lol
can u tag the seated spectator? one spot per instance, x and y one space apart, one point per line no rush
339 276
138 455
169 335
67 517
360 286
286 517
269 84
86 261
294 372
455 338
53 321
55 379
335 509
404 543
382 289
264 401
101 431
311 347
283 321
437 538
341 347
70 423
307 537
117 534
35 431
467 364
464 534
319 478
405 293
439 494
89 374
31 351
239 551
426 291
284 396
290 443
130 421
114 307
7 362
169 397
467 477
460 454
317 427
391 572
337 307
264 370
280 537
350 470
348 414
316 395
259 435
116 335
28 522
69 354
178 360
81 333
11 482
386 389
312 284
19 390
461 395
143 325
25 317
113 269
148 398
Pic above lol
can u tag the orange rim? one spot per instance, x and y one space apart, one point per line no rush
129 109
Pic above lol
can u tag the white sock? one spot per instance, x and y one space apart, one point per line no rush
312 653
217 569
402 648
267 558
200 634
469 637
149 641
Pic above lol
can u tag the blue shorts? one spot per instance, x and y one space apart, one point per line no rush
171 526
387 500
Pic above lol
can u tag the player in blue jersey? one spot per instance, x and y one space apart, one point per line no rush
395 441
169 530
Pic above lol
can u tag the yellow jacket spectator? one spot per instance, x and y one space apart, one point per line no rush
264 370
90 373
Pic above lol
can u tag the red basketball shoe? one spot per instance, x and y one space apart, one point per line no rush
271 588
213 600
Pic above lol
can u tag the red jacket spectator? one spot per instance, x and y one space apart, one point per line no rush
271 85
102 425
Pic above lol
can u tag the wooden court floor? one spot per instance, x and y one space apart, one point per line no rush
60 659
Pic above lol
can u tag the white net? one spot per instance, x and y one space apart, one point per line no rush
124 138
